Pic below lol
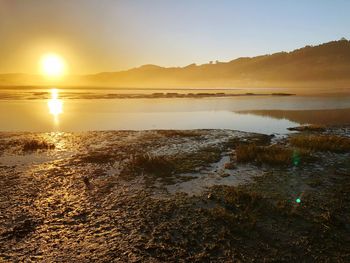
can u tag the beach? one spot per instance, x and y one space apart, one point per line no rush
171 195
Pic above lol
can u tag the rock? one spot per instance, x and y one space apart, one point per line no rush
87 182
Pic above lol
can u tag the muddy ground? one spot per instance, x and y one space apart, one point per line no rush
169 196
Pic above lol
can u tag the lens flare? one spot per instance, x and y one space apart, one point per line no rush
296 158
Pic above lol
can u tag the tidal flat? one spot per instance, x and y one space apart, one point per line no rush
175 196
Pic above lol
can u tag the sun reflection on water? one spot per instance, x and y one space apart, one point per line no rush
55 105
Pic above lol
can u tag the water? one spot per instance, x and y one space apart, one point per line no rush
62 110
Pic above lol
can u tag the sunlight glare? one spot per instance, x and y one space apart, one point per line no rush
52 65
55 105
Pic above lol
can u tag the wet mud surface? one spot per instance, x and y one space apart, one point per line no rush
168 196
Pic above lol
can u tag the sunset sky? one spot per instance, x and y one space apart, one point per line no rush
106 35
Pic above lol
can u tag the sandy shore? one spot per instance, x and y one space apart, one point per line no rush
168 196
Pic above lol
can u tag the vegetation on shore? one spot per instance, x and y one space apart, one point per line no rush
33 145
272 155
332 143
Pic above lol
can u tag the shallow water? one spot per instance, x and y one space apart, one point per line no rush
62 110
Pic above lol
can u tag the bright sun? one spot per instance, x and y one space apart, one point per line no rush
52 65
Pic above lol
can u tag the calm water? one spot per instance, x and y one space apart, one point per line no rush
23 111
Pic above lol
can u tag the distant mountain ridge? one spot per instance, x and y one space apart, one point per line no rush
325 64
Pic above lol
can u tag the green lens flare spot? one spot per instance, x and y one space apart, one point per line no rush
298 200
296 158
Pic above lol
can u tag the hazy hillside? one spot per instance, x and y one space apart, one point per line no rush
324 65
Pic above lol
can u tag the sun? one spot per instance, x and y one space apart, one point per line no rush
52 65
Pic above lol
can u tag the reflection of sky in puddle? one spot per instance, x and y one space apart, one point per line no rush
144 114
215 174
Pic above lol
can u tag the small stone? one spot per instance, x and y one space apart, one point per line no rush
87 182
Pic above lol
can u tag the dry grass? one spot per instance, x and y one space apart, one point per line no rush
176 133
33 145
165 167
98 157
273 155
153 164
246 153
330 143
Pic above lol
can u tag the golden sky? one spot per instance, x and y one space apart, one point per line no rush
107 35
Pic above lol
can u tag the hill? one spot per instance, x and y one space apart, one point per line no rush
323 65
312 65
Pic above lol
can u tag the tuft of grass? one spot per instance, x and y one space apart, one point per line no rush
246 153
260 139
153 164
98 157
34 145
176 133
189 162
330 143
165 167
273 155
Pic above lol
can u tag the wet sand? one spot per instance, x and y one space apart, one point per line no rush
93 197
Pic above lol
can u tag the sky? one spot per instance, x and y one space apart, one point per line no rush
111 35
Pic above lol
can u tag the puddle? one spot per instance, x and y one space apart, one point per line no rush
216 174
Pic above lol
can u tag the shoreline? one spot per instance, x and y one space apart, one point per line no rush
158 95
